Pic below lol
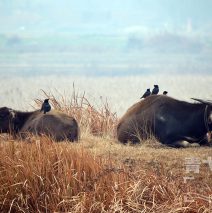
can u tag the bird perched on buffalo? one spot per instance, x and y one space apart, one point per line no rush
146 94
165 92
155 91
46 107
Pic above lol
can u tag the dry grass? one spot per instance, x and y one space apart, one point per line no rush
98 174
99 121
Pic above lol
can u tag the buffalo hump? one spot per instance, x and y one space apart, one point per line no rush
55 124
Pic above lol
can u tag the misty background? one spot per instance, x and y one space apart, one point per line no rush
112 50
105 38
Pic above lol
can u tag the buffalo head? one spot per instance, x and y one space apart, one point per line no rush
209 104
7 117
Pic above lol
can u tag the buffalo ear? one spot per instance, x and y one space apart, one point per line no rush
12 113
15 120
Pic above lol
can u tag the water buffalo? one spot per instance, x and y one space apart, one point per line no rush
173 122
54 124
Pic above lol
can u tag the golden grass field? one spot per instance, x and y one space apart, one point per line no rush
98 174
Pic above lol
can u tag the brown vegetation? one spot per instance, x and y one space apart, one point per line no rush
98 174
99 121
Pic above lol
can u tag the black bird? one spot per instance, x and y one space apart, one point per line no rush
155 91
45 106
165 92
146 94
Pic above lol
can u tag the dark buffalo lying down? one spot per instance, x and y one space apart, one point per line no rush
54 124
173 122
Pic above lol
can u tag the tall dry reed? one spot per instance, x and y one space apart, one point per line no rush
97 120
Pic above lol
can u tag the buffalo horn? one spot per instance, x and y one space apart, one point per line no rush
202 101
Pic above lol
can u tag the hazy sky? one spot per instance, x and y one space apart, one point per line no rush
111 16
178 33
